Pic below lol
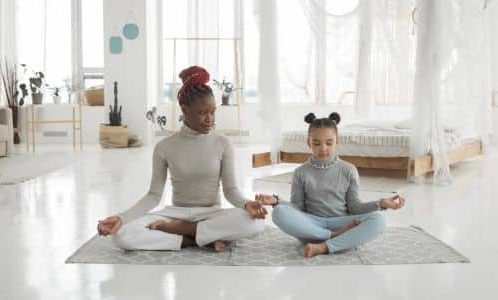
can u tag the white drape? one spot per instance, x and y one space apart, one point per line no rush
8 30
334 45
452 86
7 35
204 20
268 74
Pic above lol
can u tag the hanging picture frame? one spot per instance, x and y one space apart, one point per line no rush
130 29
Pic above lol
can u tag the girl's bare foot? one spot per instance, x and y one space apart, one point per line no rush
218 246
311 250
350 226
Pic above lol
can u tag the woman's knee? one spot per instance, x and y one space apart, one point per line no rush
123 240
252 226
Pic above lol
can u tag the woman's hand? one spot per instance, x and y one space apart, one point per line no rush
394 202
109 226
255 209
266 199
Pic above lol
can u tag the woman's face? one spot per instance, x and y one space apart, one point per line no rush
323 142
199 116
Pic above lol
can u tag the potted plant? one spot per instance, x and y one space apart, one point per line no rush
55 95
227 88
35 84
9 78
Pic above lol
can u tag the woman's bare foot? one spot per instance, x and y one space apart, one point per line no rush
311 250
180 227
350 226
218 246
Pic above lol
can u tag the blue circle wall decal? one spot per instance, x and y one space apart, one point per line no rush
116 44
130 31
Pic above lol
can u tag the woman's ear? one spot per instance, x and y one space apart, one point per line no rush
308 141
185 109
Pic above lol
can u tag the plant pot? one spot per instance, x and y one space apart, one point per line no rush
37 98
15 119
225 100
56 99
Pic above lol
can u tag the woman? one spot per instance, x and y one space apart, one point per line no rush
197 160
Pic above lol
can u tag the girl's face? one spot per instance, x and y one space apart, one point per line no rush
200 115
323 142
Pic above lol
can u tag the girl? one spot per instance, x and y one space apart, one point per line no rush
325 211
197 160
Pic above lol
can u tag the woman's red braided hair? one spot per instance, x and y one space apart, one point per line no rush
194 85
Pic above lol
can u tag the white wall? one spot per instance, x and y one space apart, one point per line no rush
134 69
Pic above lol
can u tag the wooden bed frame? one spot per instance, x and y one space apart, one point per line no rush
412 167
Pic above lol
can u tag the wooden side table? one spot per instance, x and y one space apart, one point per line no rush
32 122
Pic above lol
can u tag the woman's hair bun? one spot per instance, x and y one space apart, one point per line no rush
309 118
194 75
335 117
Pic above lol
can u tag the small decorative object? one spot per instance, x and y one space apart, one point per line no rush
160 120
115 113
24 93
116 45
227 88
35 85
95 96
130 31
56 97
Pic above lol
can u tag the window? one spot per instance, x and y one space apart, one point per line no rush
44 40
202 33
92 19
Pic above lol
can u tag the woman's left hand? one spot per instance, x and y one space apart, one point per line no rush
394 202
255 209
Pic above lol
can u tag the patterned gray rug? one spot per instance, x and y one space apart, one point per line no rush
398 245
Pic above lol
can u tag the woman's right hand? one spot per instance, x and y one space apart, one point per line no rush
110 225
266 199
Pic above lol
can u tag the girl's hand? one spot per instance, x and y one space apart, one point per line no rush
255 209
109 226
266 199
394 202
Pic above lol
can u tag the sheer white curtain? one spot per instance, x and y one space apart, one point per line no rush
7 35
452 88
386 55
7 30
332 56
205 22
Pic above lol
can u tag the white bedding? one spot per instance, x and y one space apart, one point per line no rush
372 139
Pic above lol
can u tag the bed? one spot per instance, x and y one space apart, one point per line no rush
382 145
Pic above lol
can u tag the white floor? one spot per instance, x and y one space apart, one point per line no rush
44 220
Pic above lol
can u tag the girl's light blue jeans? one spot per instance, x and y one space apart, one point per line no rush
310 228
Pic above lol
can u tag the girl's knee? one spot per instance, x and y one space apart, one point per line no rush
378 220
280 213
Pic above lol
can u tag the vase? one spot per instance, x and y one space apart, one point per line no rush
225 99
37 98
57 99
15 120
